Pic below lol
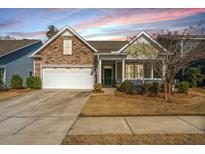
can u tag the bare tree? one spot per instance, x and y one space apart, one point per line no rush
169 57
169 63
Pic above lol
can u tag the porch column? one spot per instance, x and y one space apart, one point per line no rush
152 72
99 70
163 70
123 70
115 71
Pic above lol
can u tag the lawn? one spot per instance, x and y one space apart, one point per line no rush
13 92
126 139
125 105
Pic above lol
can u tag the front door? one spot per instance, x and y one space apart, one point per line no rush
108 76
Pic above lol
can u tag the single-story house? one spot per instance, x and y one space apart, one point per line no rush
68 61
15 58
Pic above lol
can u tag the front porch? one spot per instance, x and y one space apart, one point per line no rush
116 71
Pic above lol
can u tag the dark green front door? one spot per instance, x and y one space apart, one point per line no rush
108 76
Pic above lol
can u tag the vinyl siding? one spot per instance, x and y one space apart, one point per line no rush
19 63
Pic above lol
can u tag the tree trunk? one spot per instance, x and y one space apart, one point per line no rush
165 91
169 91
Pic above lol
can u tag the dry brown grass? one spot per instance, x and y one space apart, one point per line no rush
125 105
13 92
125 139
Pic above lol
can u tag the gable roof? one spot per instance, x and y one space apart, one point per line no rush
107 46
58 34
140 34
10 46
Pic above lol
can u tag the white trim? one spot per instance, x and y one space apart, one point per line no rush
99 71
34 67
123 70
133 40
4 75
28 73
59 33
20 48
68 65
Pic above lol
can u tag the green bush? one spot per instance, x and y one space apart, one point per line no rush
126 86
1 80
33 82
147 86
118 86
183 87
16 82
193 76
98 87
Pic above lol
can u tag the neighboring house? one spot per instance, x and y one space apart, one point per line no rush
67 61
14 58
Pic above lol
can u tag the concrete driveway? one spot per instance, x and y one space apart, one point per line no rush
40 117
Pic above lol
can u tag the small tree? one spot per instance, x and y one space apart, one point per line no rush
174 59
169 58
193 76
33 82
52 30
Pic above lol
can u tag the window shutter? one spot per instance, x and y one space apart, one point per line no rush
67 47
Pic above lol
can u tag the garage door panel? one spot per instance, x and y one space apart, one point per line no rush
67 78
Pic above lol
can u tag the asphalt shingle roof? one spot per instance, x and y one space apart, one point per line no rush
7 46
107 46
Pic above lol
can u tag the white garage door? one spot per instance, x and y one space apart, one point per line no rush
67 78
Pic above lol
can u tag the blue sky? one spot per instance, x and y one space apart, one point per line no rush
97 24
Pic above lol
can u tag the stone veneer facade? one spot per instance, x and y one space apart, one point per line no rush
53 54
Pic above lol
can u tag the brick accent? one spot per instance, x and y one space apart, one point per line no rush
53 54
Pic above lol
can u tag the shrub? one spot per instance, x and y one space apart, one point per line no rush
1 80
183 87
139 88
16 82
126 86
154 90
33 82
147 86
193 76
97 87
119 86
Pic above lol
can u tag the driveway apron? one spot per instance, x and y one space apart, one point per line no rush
41 117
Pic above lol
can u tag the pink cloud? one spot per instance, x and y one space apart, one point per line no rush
135 16
119 39
27 34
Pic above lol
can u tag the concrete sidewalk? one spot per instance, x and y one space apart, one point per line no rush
139 125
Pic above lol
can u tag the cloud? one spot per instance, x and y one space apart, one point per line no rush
135 16
27 34
8 23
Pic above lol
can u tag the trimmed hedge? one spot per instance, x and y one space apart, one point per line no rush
16 82
183 87
33 82
126 86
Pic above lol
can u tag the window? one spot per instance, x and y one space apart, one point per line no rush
30 73
67 47
129 71
2 70
139 71
147 70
